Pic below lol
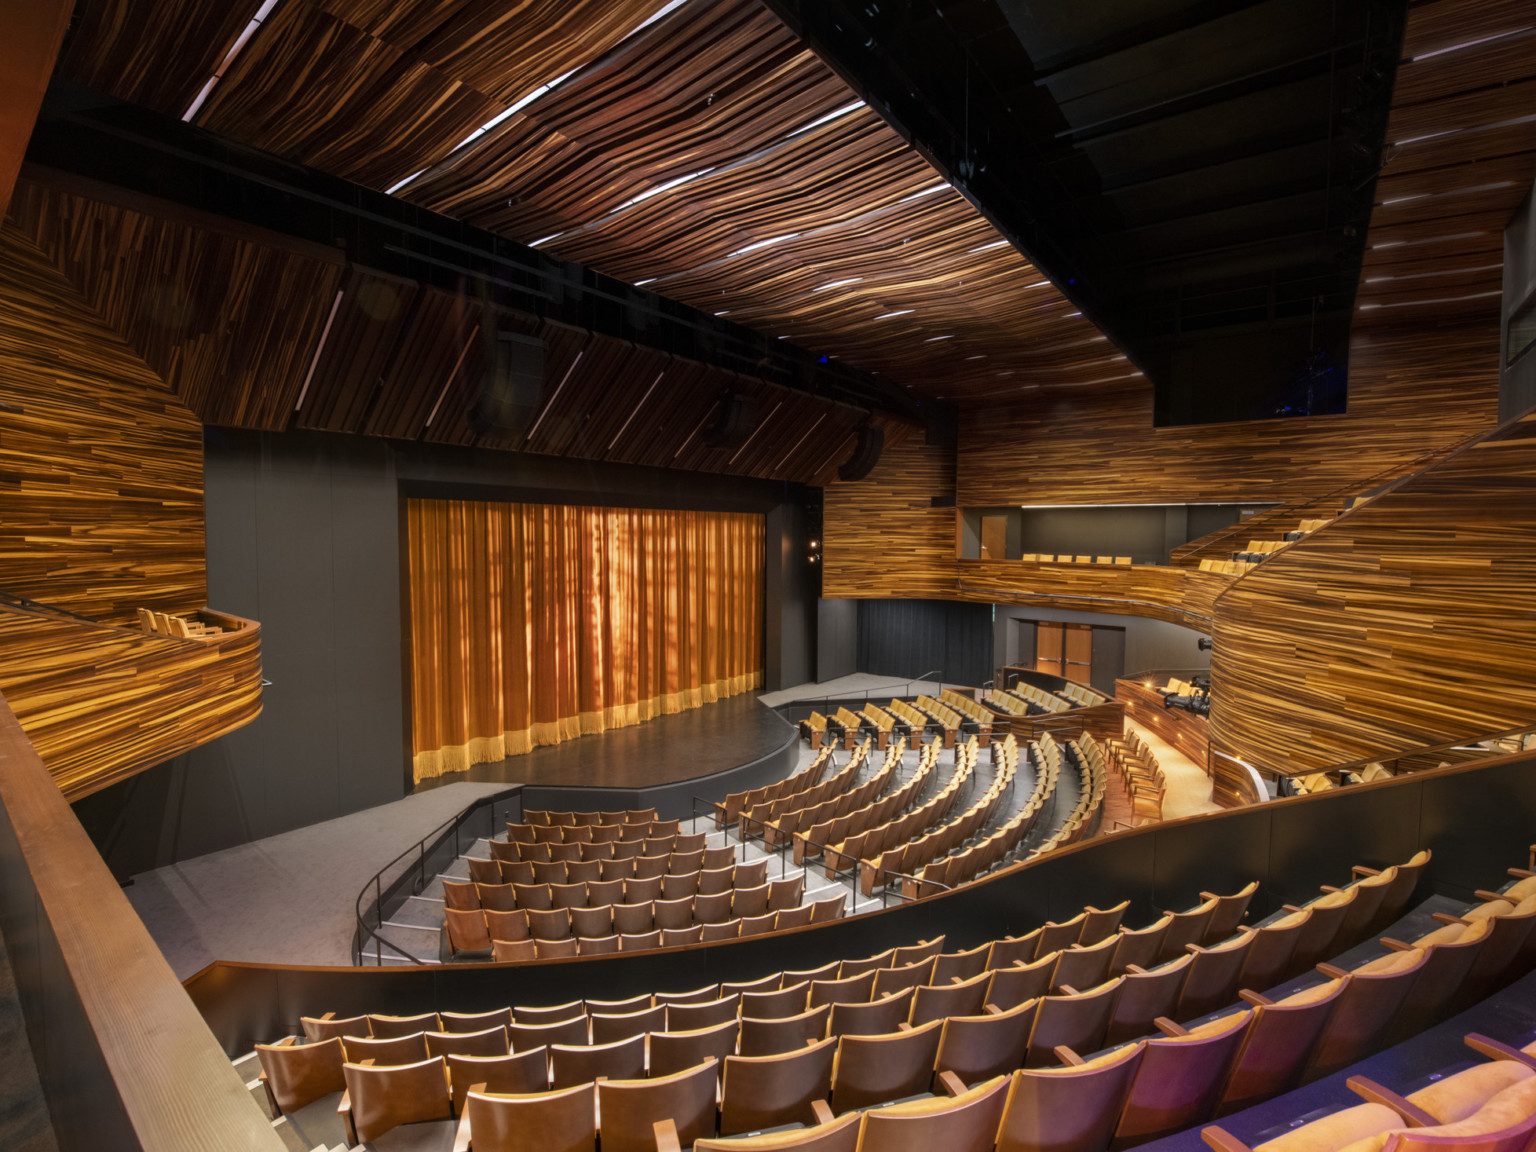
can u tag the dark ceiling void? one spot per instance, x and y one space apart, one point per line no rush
1197 176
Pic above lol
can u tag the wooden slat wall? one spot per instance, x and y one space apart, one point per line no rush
230 323
101 472
883 538
1411 389
1408 621
100 703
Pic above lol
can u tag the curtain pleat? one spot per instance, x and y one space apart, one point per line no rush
536 623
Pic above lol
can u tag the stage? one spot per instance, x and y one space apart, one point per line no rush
722 747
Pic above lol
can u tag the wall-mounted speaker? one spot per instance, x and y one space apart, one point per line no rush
513 386
735 418
866 454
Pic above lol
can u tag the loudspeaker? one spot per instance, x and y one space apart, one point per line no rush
866 454
512 390
734 421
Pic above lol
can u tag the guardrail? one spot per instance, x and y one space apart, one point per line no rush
367 937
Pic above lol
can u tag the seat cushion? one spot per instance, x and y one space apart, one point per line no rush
1311 995
1358 1125
1391 962
1457 1097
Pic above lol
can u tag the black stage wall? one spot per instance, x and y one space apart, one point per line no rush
304 536
908 638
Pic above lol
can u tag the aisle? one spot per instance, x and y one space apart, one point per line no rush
1189 788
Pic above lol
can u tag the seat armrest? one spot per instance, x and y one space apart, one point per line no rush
822 1111
1367 1089
951 1083
1136 969
1221 1140
1331 890
1068 990
1497 1049
1168 1028
1521 873
461 1132
666 1136
344 1110
1394 945
1068 1057
992 1010
1446 918
1362 870
1256 999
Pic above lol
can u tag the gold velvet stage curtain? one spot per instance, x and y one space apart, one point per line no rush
536 623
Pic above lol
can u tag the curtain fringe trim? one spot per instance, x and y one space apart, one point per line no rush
488 749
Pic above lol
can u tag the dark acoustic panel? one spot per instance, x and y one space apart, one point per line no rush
905 639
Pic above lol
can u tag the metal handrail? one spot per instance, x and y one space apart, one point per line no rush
362 933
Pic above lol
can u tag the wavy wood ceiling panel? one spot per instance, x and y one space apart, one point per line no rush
1410 620
608 162
101 470
228 322
1458 162
1412 388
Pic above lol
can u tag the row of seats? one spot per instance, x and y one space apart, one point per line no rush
968 707
894 819
566 819
782 829
631 918
834 786
532 834
914 851
591 894
1078 949
919 722
735 803
167 624
1040 698
1053 558
716 862
1140 775
1093 783
967 863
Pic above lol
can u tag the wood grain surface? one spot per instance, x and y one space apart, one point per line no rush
1189 733
1409 620
101 466
100 702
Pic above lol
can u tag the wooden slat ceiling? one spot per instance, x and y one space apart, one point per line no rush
686 157
1461 156
400 359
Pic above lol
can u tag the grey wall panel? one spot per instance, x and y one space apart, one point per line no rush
837 639
1148 643
304 535
910 638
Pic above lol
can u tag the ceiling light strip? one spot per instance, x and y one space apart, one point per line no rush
788 455
229 58
457 364
636 412
314 360
765 422
550 403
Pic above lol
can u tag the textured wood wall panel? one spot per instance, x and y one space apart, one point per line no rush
1178 595
101 470
881 536
1411 389
100 703
1410 620
230 323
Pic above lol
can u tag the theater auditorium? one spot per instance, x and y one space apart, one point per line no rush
819 575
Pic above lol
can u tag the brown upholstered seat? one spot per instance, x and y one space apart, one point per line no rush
680 887
875 1018
619 1007
1012 986
484 871
533 896
705 1014
715 881
596 945
915 953
506 926
1144 996
749 901
1078 1021
1070 1109
466 930
548 1013
489 1042
513 951
606 1029
1084 967
1186 928
1273 1053
548 1121
673 913
961 998
1054 937
387 1051
475 1021
1180 1079
592 923
633 919
964 1123
568 895
1011 950
385 1027
298 1074
766 1091
776 1004
794 917
726 931
674 1051
555 949
526 1036
1269 957
1101 923
988 1044
962 965
522 1072
1228 913
758 925
862 964
888 980
828 909
640 941
1141 946
631 1108
1213 977
462 895
380 1098
838 1135
682 937
853 990
877 1069
570 1065
1372 997
783 1034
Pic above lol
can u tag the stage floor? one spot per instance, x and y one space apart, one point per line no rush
668 749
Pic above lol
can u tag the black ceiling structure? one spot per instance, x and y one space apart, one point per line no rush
1197 176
